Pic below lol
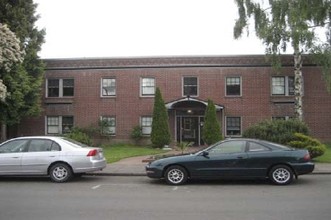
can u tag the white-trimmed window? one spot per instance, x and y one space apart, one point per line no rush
233 126
108 87
59 124
190 86
282 85
146 125
147 86
108 125
233 86
60 88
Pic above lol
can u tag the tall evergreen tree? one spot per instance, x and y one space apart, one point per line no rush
285 23
24 81
160 135
211 132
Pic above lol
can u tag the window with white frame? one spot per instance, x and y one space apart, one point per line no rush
233 86
59 124
147 86
233 126
108 125
60 87
190 86
146 125
108 87
282 85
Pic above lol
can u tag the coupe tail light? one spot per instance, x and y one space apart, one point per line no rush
307 157
92 153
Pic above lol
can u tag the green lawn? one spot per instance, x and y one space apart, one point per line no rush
117 152
326 157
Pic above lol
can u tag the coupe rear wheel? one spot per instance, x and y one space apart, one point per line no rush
281 175
60 173
175 175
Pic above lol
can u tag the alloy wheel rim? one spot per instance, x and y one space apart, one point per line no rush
281 175
175 176
60 173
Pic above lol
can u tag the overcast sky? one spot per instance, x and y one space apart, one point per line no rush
131 28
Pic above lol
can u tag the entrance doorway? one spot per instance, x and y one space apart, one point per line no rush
189 129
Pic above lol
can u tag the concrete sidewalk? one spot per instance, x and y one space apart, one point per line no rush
135 166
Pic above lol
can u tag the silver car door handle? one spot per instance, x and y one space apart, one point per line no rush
15 157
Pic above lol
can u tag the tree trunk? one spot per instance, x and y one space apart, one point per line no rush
3 136
298 84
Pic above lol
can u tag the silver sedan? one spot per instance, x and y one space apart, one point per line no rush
58 157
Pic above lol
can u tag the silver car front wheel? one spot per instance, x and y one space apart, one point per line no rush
176 175
60 173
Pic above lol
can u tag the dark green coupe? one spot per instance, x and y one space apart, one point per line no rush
235 159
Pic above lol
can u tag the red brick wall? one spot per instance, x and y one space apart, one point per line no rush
255 104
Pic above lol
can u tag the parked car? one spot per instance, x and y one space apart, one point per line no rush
59 157
235 159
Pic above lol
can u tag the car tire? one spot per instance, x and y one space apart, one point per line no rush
60 173
281 175
176 175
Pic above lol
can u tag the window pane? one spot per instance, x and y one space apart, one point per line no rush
108 125
67 124
146 125
148 86
233 126
53 125
233 86
68 87
13 146
290 85
53 87
278 85
190 86
108 87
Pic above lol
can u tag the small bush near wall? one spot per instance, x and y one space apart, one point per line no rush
80 136
278 131
314 147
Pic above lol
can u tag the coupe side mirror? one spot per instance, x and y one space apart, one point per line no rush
205 154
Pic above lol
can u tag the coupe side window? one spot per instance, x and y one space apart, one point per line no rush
254 147
13 146
229 147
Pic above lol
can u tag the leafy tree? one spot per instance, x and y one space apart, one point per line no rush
10 53
23 81
160 135
285 23
211 132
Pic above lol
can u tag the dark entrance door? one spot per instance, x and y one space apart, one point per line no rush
189 129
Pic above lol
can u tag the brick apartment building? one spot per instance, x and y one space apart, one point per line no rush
245 90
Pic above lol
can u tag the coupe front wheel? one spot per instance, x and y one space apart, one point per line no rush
176 175
281 175
60 173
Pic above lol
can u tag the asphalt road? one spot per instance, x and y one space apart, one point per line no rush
97 197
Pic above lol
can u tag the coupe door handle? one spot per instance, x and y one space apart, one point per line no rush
240 157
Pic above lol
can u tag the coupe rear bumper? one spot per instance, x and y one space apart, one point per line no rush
303 168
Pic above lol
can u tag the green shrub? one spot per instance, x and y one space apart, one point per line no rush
80 136
315 147
160 135
279 131
136 134
211 132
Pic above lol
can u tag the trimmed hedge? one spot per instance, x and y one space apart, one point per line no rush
278 131
315 147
